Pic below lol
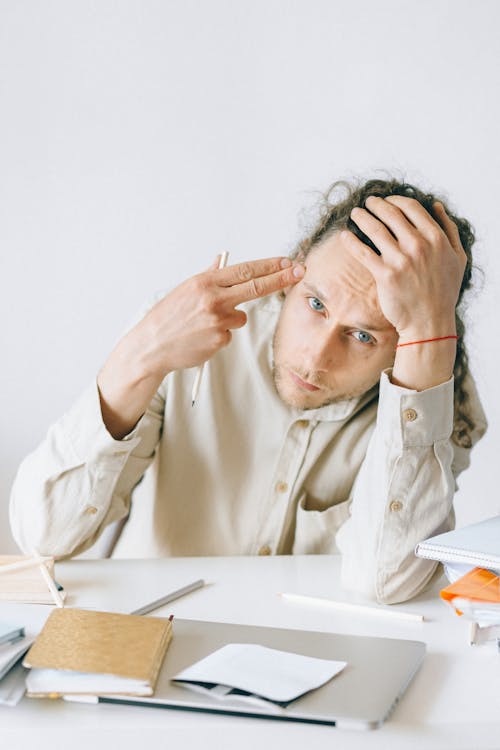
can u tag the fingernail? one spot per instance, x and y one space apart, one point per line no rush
299 271
285 263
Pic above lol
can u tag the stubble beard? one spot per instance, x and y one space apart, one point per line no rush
306 402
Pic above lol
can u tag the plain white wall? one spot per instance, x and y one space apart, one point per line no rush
140 138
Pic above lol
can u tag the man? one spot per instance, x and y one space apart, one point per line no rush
328 418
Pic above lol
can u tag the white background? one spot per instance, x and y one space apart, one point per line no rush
138 139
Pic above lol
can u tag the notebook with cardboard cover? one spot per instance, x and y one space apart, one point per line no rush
87 652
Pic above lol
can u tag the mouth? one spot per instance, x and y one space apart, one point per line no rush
303 383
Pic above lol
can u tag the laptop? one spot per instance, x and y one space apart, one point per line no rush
362 696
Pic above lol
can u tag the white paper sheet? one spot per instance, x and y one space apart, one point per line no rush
10 653
10 633
278 676
13 686
454 571
41 681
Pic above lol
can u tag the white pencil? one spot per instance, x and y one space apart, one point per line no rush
58 600
358 609
197 382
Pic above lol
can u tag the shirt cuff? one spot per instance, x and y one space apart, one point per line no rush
415 418
87 434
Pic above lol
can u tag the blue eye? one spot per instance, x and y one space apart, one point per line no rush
363 337
316 304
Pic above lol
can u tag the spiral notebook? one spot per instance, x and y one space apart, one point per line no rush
477 545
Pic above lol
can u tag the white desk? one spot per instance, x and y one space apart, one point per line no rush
453 702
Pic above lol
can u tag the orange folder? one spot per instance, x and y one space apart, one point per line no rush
478 584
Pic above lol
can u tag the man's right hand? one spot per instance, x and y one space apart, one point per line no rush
195 320
187 327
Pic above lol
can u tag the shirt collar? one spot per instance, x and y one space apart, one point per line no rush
338 412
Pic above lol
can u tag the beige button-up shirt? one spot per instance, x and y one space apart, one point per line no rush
242 473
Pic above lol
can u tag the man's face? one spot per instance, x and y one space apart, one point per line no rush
331 341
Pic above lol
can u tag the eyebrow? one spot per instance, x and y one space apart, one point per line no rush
362 326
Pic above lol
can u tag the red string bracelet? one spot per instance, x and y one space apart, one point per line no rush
426 341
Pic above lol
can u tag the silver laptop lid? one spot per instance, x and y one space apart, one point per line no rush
361 697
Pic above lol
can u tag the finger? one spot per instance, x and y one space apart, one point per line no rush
375 230
449 227
264 285
253 269
236 320
392 216
362 253
417 214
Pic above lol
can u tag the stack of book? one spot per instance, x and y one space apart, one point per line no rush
471 556
13 646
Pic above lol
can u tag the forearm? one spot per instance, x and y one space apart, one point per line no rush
79 479
404 493
377 545
126 385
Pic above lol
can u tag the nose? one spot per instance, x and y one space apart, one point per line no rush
322 350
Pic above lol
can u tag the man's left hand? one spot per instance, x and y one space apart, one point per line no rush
421 266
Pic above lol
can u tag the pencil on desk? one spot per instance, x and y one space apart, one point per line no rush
172 596
58 600
197 382
359 609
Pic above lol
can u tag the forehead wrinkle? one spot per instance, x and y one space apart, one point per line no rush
361 299
361 283
344 284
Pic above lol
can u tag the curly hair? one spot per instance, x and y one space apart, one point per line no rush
335 214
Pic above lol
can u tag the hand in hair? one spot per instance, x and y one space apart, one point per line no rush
418 275
421 266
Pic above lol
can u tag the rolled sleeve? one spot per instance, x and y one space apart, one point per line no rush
80 478
408 418
403 493
84 432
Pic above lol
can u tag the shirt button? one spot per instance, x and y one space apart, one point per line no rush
90 510
281 487
265 550
396 506
410 415
302 423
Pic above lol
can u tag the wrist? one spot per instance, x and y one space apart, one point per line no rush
425 365
432 340
126 386
426 332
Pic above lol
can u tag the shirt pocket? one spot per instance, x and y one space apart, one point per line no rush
315 530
